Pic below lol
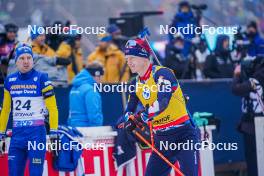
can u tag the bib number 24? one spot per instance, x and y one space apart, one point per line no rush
19 105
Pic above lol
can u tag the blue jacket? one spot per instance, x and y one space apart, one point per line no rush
85 103
182 20
256 48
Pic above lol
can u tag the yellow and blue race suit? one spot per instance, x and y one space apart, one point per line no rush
160 94
29 95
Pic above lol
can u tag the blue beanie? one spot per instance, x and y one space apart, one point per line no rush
104 37
37 30
23 48
137 47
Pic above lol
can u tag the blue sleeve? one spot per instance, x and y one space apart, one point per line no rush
168 83
44 81
93 105
6 84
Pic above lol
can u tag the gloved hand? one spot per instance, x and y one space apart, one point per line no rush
63 61
55 142
130 125
2 143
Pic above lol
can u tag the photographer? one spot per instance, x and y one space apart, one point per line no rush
175 59
71 49
220 64
184 18
248 83
256 46
201 52
38 43
54 40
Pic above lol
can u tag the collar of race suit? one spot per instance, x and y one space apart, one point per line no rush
147 74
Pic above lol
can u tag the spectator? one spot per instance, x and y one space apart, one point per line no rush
182 19
256 47
248 83
175 59
85 102
112 59
117 38
54 40
71 49
201 52
7 44
38 43
219 64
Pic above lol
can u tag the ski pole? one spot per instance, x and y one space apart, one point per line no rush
158 153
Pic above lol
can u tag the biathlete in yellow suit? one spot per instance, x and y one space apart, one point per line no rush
157 89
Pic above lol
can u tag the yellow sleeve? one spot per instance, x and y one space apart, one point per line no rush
5 111
64 50
51 105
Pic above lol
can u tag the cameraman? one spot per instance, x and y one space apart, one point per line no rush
256 46
182 19
248 83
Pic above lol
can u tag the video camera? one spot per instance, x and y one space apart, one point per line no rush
199 7
241 42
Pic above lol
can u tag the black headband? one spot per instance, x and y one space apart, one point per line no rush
98 71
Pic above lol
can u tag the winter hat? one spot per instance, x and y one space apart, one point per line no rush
104 37
95 69
252 24
137 47
23 48
36 31
10 27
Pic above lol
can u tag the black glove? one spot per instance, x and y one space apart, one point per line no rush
130 125
63 61
55 142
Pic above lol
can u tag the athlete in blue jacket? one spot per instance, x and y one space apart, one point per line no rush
31 94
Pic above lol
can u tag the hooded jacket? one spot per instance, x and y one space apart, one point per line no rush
85 102
219 64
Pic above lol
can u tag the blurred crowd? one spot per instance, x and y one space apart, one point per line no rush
188 55
61 55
